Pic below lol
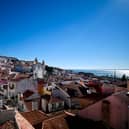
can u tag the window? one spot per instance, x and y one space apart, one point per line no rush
60 105
54 106
11 86
5 86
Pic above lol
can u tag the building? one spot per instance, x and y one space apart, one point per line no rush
114 110
55 104
38 70
7 60
24 82
70 92
107 88
13 120
7 89
62 94
57 122
35 118
33 102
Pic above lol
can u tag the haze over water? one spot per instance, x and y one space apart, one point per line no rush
101 72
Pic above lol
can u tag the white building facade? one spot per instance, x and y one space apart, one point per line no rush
39 70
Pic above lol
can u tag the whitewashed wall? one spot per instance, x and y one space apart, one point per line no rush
26 84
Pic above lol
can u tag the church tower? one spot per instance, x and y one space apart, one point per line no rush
36 61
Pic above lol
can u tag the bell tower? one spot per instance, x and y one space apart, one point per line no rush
36 61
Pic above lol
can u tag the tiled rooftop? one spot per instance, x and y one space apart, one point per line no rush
8 125
57 122
22 122
34 117
117 113
84 102
74 87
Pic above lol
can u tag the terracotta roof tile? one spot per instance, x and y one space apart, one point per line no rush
57 122
22 122
8 125
34 117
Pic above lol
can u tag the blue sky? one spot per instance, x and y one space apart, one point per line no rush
81 34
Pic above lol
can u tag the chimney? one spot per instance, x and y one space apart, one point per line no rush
106 111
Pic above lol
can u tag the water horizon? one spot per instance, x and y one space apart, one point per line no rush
105 72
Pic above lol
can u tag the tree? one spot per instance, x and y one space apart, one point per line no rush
49 69
123 78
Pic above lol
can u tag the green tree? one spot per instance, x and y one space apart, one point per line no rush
49 71
123 78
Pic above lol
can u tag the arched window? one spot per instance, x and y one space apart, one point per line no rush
11 86
5 87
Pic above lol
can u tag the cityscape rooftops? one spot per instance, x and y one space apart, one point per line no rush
57 122
11 119
34 117
115 112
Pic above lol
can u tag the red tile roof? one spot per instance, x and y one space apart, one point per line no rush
8 125
22 122
57 122
34 117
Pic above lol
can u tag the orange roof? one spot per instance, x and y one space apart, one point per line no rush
57 122
8 125
22 122
34 117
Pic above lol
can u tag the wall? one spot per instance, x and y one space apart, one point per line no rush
38 71
25 84
55 106
118 112
44 104
8 92
61 93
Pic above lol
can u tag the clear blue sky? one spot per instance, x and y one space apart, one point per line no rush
67 33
